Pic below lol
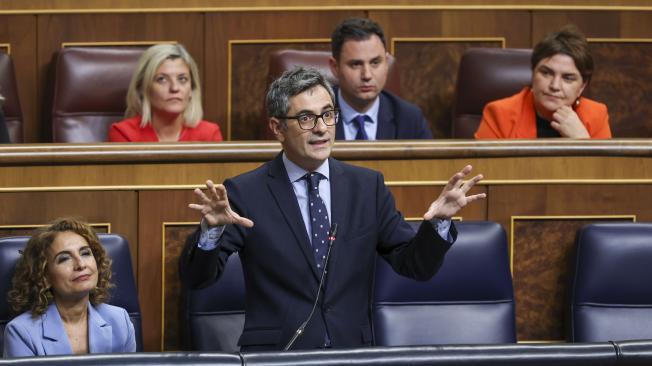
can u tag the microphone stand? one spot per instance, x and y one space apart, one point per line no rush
331 239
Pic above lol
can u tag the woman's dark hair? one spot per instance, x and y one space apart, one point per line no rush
30 289
568 41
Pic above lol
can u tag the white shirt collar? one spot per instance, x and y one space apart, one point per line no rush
296 172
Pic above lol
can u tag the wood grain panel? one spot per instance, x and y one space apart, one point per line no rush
173 321
429 70
432 88
226 5
19 31
542 255
413 201
157 264
28 230
540 248
37 208
53 30
249 83
224 27
624 66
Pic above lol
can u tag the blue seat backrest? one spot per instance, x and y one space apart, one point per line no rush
470 300
611 290
124 294
215 314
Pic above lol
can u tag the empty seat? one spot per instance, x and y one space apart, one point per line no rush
90 91
124 294
214 316
470 300
485 75
611 290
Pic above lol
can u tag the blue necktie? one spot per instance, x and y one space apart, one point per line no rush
359 121
318 219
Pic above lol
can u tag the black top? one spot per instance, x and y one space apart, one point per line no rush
544 129
4 134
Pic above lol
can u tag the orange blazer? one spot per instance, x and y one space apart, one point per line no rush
514 118
129 130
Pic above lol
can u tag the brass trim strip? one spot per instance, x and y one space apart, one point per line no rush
107 225
419 218
632 8
113 43
229 68
395 40
164 224
388 183
619 40
6 46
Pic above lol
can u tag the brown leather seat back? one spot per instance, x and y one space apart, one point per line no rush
90 91
485 75
11 107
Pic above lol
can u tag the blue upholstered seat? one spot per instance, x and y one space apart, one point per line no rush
214 315
124 294
611 286
470 300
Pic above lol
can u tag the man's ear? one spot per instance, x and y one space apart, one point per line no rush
332 63
275 126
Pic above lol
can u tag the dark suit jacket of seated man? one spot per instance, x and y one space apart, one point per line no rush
281 270
360 63
397 119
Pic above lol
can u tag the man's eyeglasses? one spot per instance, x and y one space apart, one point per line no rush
308 121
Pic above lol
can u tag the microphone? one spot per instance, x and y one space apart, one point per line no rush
332 235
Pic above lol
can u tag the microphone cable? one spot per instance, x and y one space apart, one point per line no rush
332 235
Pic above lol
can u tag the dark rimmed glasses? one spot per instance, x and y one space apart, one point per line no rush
308 121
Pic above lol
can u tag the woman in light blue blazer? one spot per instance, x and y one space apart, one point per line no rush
60 284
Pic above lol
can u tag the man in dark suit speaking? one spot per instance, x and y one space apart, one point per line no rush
278 218
360 64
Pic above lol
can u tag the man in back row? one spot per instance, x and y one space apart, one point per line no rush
360 63
277 217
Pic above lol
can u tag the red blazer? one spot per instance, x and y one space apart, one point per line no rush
514 118
129 130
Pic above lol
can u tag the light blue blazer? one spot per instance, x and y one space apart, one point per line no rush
109 330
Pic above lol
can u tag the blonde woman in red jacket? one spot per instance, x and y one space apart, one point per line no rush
562 66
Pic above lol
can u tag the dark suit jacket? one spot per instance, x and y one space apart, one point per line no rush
279 268
397 120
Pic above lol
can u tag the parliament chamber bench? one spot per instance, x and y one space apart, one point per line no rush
569 354
540 192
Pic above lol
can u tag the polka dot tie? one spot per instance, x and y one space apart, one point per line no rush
318 219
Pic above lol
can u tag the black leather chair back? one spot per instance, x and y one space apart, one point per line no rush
214 315
124 294
612 283
11 106
485 75
470 300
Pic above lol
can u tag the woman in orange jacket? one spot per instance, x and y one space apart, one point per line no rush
562 66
